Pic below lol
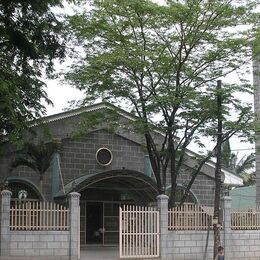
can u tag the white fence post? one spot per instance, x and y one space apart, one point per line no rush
227 225
162 202
74 225
5 221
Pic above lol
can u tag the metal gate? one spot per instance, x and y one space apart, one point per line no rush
138 232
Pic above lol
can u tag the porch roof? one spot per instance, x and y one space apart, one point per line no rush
138 183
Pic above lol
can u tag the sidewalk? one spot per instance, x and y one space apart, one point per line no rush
87 253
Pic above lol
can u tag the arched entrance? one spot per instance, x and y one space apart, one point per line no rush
101 196
20 184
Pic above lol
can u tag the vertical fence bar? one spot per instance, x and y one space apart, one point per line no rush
31 215
120 232
139 232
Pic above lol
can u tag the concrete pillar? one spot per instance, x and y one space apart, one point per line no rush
74 225
162 202
55 171
5 222
147 166
55 177
226 200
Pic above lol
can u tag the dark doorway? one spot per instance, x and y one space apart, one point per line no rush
94 223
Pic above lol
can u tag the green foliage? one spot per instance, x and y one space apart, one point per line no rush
30 38
242 166
162 61
249 179
37 157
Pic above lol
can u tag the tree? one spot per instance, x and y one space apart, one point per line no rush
162 63
30 38
37 157
249 179
240 166
216 226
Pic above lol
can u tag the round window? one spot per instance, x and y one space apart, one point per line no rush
104 156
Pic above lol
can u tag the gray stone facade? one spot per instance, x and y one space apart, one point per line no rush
78 158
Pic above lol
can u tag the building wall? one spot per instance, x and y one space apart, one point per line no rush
78 158
203 186
39 243
190 245
244 244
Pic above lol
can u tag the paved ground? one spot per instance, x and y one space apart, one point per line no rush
87 253
99 253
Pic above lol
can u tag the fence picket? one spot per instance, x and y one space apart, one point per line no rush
30 215
139 232
188 217
245 218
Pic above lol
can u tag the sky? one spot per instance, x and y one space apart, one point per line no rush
61 93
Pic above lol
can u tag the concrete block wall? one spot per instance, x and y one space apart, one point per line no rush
42 243
203 187
78 157
39 243
244 244
188 245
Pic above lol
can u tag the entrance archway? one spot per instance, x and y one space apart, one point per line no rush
101 196
17 184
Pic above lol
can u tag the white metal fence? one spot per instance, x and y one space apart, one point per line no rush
190 217
138 232
245 219
30 215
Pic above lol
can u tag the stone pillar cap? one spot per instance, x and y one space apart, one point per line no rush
6 192
74 194
162 197
226 198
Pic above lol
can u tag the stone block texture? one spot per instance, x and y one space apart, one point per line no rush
39 243
190 245
78 158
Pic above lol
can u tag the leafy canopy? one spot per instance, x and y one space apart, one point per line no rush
36 157
161 62
30 38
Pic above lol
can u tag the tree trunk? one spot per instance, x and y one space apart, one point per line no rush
172 200
155 163
216 226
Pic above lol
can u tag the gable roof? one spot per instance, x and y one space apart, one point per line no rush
90 108
229 177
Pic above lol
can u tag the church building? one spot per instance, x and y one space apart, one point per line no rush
107 167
